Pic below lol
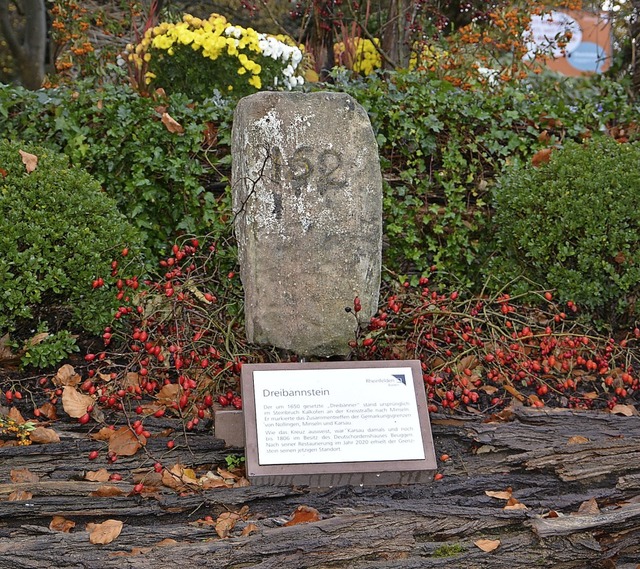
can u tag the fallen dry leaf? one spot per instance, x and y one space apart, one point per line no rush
105 532
227 475
626 410
101 475
513 504
170 393
226 522
107 491
211 481
30 161
179 478
501 495
124 442
103 434
49 411
16 416
21 475
242 483
37 339
43 435
249 528
171 124
577 440
60 523
511 389
541 157
7 357
66 375
303 515
487 545
588 508
19 495
167 542
74 403
134 552
504 416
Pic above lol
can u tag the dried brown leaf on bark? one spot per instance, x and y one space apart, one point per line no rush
104 434
22 475
74 403
626 410
588 508
62 524
101 475
66 375
226 522
303 515
249 528
105 532
108 491
577 440
124 442
43 435
487 545
49 411
19 496
500 494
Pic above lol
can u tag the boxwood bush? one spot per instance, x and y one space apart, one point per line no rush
58 232
574 225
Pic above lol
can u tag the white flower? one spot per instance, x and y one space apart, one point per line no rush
233 31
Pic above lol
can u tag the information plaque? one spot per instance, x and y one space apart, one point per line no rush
333 423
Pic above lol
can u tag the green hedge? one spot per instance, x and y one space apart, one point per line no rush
574 225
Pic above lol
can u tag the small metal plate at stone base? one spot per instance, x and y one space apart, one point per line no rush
337 423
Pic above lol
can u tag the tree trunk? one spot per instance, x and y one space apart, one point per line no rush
634 32
322 37
395 37
29 50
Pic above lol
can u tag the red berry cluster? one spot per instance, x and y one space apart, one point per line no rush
480 353
177 343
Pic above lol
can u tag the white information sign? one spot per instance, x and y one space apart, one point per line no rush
308 416
544 31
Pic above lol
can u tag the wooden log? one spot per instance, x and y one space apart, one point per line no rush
550 463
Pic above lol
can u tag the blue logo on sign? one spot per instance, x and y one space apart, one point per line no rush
588 56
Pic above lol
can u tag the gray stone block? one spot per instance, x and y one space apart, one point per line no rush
307 196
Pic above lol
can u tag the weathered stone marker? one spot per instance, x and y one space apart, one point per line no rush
307 195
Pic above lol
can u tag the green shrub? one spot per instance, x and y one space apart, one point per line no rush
58 231
164 182
441 149
574 225
52 349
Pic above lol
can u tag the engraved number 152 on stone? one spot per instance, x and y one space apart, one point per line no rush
324 167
